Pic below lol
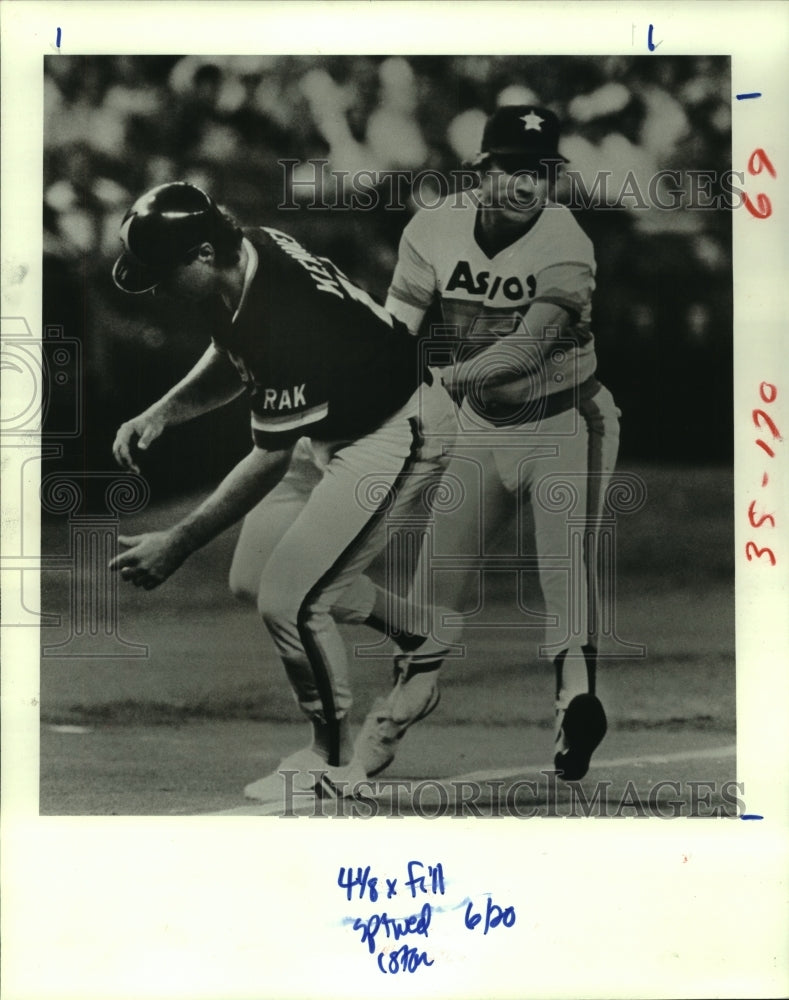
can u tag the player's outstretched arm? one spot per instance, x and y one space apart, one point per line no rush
408 314
212 382
149 559
513 356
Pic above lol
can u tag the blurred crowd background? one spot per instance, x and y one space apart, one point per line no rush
115 126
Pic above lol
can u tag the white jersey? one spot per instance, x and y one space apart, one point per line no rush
484 297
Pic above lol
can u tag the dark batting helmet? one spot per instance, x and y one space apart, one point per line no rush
159 231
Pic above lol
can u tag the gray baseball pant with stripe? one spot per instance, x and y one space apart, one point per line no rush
303 550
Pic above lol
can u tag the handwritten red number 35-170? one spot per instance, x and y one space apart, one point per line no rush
767 393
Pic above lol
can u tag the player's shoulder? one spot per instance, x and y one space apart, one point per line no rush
563 221
433 223
269 237
256 234
261 239
564 233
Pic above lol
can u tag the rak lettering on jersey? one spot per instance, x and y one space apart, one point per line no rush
317 355
481 297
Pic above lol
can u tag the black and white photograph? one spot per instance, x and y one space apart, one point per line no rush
379 443
479 312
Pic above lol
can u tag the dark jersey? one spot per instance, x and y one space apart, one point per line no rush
318 356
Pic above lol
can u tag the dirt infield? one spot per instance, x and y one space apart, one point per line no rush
201 767
181 729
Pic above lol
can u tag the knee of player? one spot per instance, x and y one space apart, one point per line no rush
271 606
242 587
314 616
275 603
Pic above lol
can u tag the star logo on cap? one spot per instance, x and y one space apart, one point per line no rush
532 121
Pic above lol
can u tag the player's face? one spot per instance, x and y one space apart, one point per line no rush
516 195
193 280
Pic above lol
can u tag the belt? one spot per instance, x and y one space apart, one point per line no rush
529 410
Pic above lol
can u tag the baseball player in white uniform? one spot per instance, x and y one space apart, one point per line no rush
348 427
513 273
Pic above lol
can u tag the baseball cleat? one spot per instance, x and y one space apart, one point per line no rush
582 729
312 774
414 696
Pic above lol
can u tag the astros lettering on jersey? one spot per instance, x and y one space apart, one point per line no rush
483 298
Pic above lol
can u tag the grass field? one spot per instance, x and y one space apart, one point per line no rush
208 709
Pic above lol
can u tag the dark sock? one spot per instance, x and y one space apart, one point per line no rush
332 741
389 615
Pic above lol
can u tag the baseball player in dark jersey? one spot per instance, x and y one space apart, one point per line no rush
348 427
513 274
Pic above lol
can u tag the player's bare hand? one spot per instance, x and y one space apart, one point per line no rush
450 382
149 559
139 432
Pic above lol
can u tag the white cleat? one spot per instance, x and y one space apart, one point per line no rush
303 772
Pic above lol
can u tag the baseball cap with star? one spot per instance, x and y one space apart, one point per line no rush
523 133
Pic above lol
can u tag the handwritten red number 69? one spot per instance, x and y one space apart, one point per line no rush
759 160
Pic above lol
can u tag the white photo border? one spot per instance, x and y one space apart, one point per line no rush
222 907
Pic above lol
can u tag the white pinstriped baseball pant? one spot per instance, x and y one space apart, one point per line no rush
558 470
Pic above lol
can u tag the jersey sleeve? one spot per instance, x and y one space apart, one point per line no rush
569 285
414 279
275 431
270 441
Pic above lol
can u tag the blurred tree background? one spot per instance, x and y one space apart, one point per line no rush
118 125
